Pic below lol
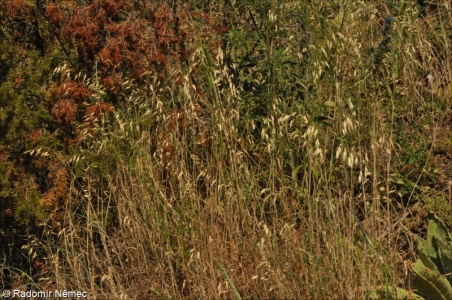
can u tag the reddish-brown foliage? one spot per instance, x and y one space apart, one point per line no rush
53 13
18 9
114 41
92 115
64 112
33 137
76 91
124 40
112 82
59 178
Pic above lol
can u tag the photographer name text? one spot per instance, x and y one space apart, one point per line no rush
49 294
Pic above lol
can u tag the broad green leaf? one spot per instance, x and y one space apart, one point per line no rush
437 229
430 283
445 256
428 254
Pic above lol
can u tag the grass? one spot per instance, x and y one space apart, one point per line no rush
305 175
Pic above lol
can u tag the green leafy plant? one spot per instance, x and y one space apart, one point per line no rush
431 273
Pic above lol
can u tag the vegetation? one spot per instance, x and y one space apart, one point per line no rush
430 274
435 254
236 149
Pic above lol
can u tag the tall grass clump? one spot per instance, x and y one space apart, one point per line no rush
291 155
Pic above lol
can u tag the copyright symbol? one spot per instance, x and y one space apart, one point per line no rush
6 293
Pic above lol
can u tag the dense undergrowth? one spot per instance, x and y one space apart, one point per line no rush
247 149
